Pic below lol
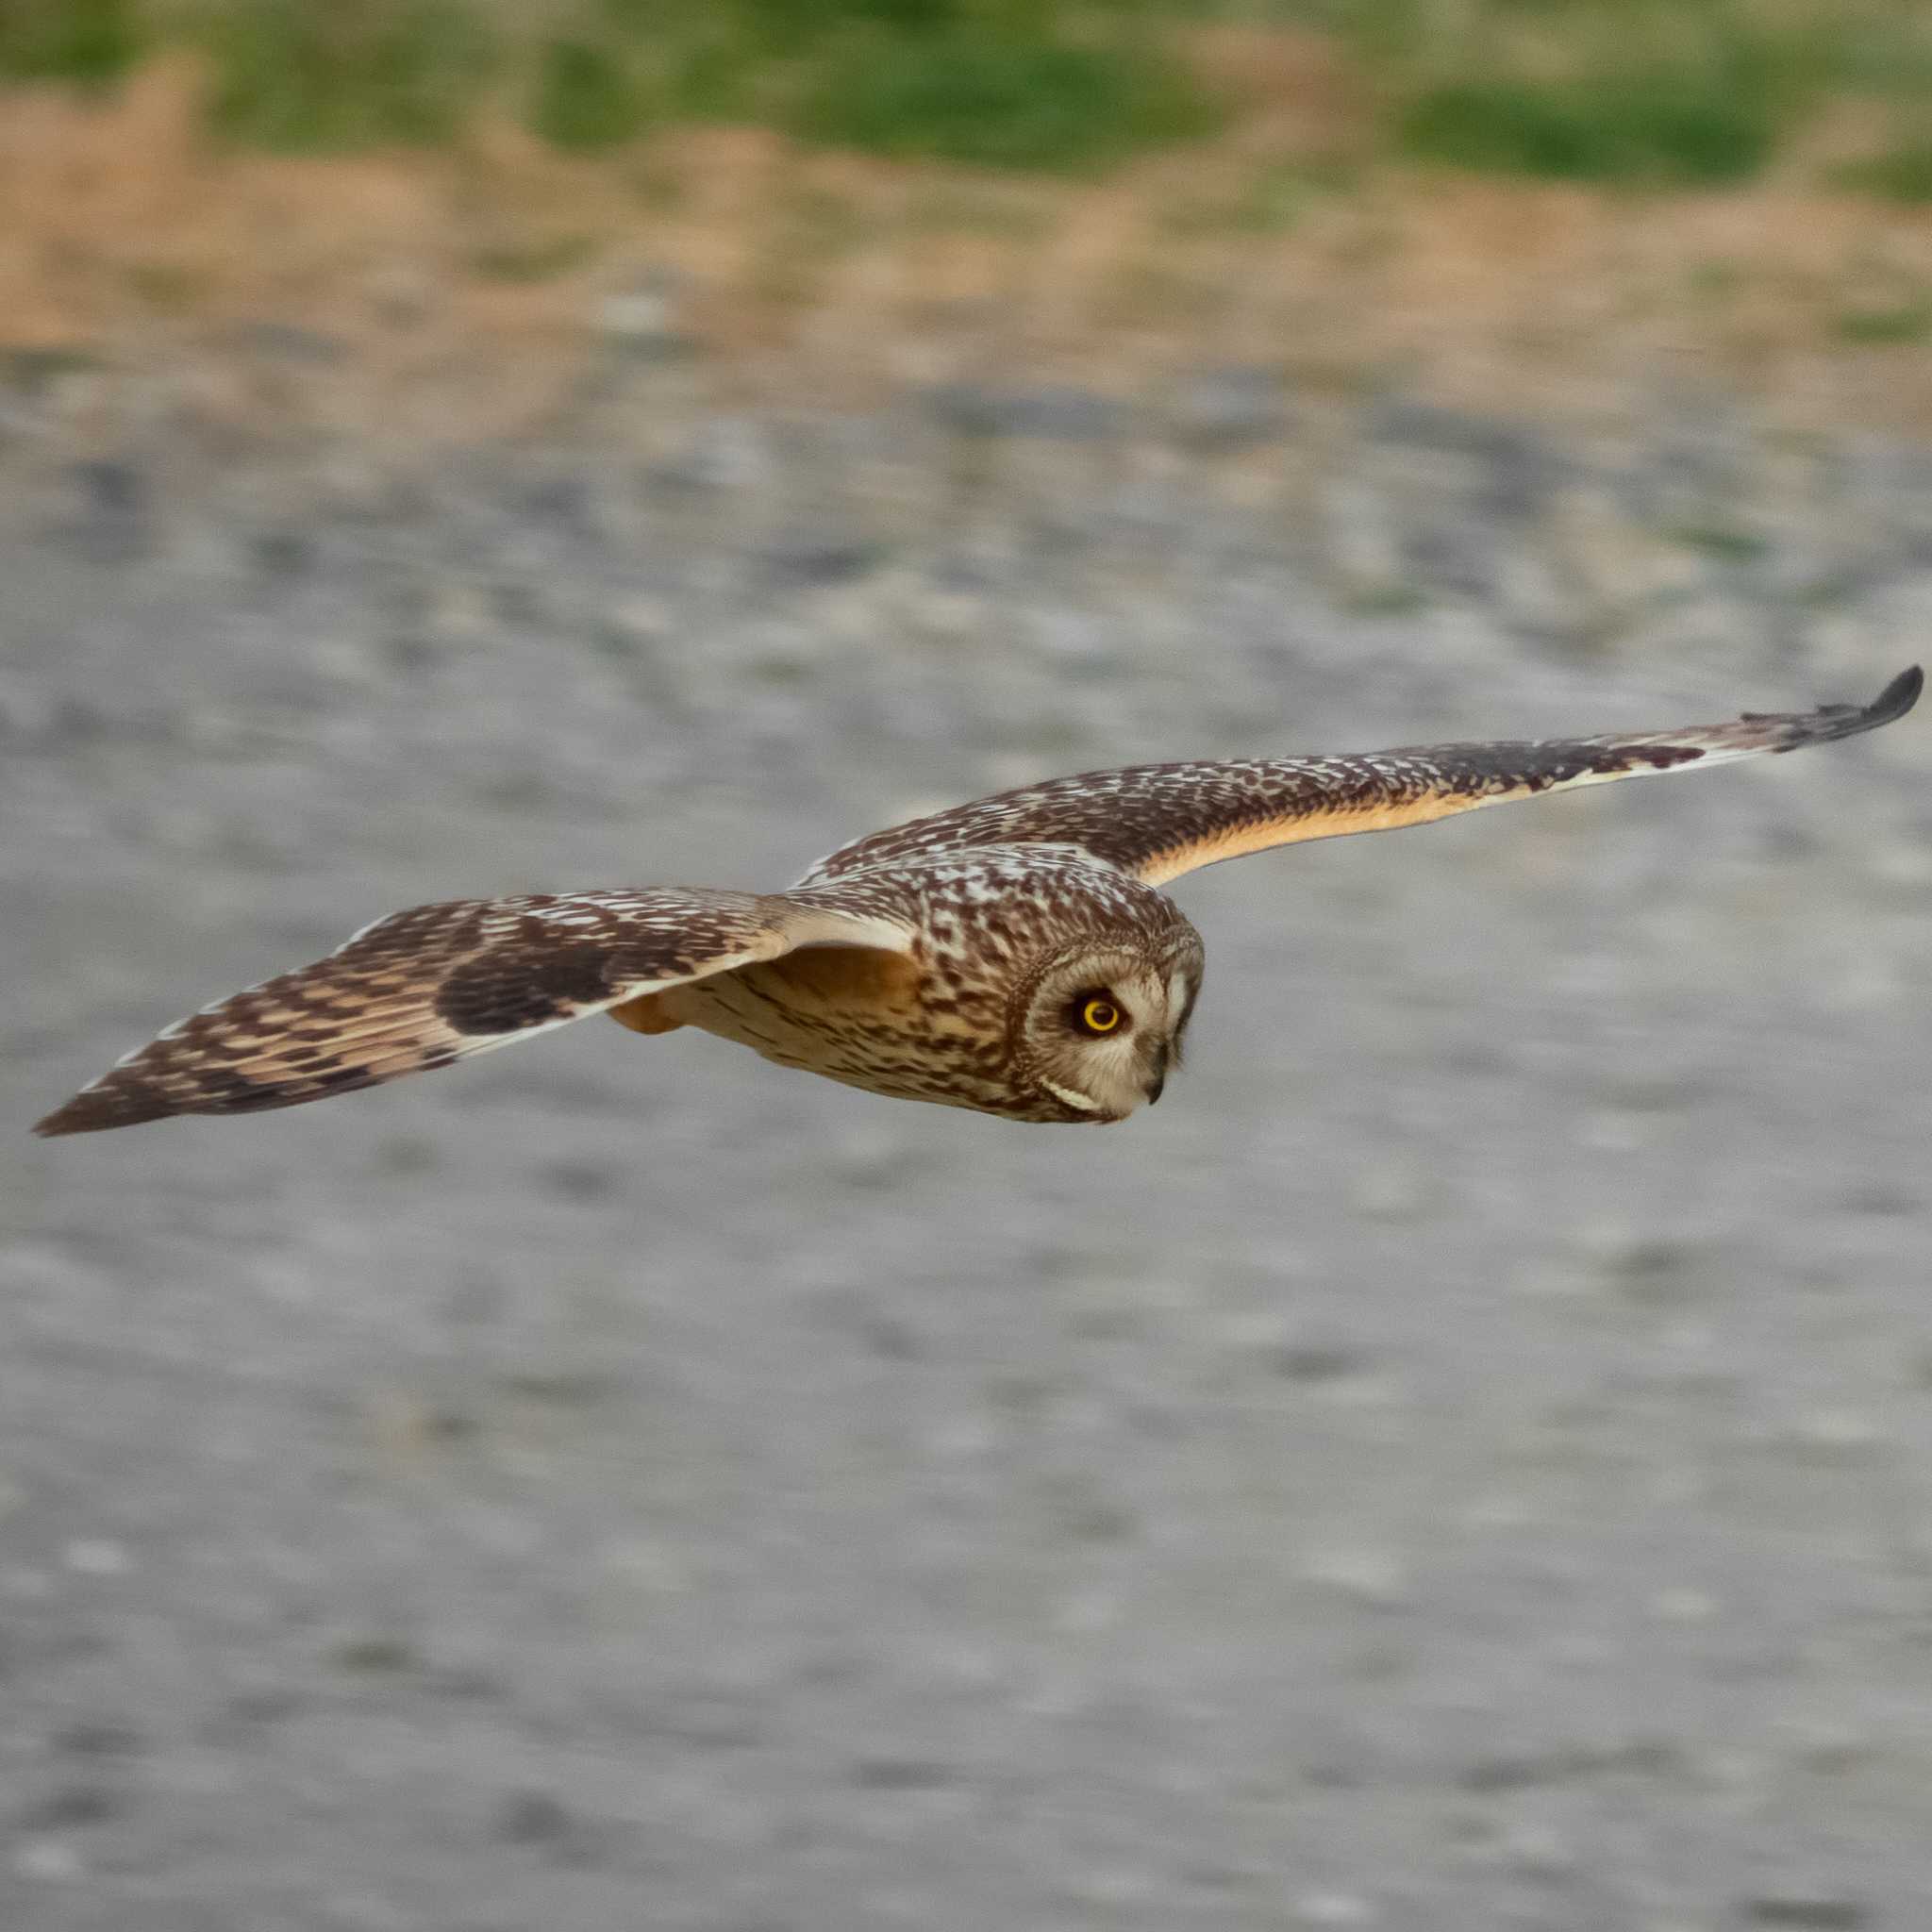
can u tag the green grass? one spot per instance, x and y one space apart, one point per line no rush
1024 84
585 95
1001 83
1003 98
1663 92
1908 321
85 43
288 73
1668 127
1694 93
1902 174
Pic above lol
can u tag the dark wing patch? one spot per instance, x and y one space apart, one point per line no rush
1160 820
437 983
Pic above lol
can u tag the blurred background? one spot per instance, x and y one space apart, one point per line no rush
1465 1462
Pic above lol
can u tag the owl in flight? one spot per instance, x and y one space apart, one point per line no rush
1016 956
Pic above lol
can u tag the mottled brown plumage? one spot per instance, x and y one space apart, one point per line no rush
971 958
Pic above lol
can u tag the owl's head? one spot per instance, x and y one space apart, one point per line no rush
1101 1026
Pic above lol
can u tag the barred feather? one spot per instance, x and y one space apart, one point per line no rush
438 983
1158 821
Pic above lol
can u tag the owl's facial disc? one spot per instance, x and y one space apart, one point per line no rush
1101 1029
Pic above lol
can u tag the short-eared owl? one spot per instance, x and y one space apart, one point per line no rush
1016 956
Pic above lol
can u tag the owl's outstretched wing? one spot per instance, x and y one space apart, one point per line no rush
429 986
1160 820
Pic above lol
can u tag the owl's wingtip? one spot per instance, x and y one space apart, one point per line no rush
95 1109
1898 697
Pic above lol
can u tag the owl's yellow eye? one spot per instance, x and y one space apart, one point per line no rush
1099 1014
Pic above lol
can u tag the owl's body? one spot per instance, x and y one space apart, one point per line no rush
1014 955
990 927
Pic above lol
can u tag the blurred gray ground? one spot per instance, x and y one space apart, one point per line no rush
1465 1462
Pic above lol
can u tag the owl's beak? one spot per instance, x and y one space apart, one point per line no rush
1157 1086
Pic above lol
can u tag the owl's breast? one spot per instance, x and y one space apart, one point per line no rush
890 1022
